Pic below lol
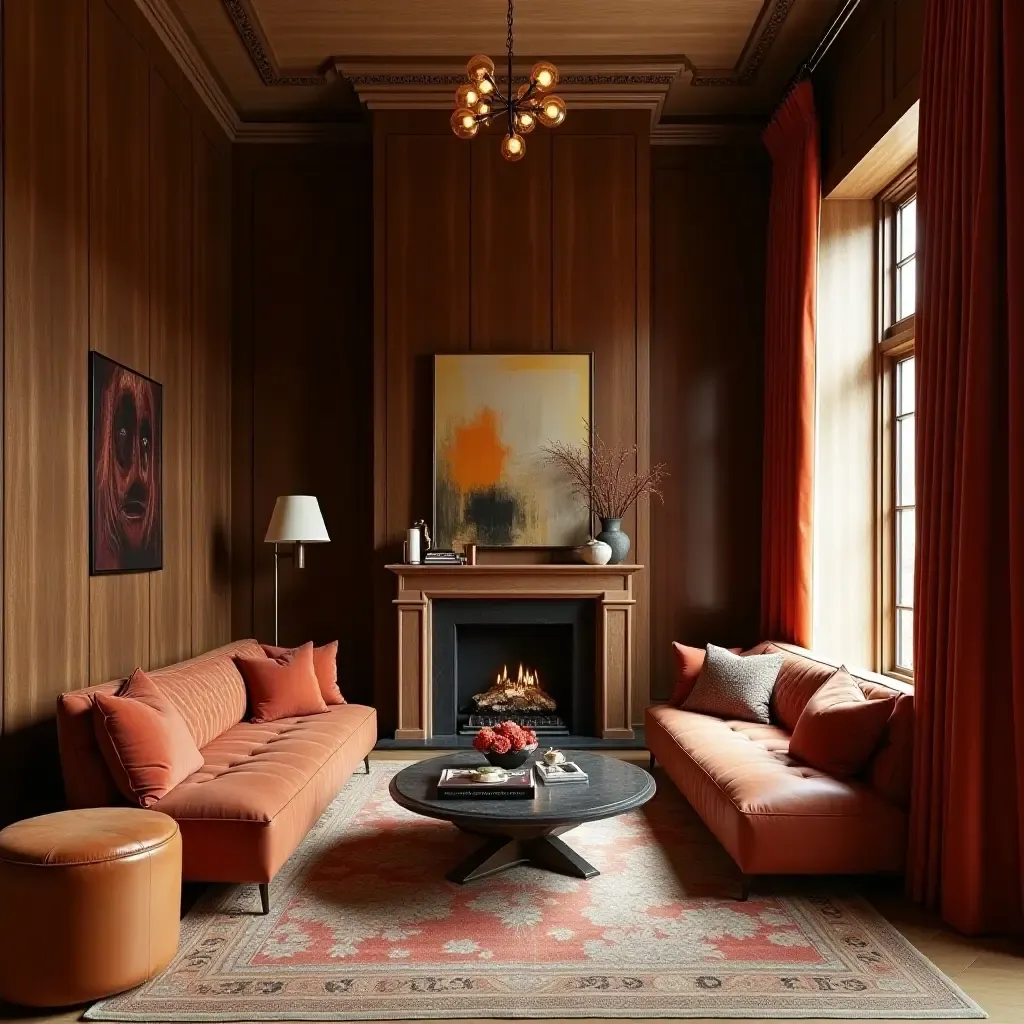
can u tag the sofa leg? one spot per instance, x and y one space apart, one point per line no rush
366 765
265 896
653 762
748 881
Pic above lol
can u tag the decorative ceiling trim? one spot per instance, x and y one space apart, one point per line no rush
179 44
413 83
247 25
761 39
699 133
301 132
759 42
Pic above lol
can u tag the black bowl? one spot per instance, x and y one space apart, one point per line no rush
513 759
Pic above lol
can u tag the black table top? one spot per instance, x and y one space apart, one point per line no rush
615 787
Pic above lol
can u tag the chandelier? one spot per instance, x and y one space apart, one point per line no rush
480 100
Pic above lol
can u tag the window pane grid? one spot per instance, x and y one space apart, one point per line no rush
904 515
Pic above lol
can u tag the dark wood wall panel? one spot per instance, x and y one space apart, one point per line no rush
119 288
99 246
211 398
170 362
474 254
709 215
510 269
302 393
867 82
45 328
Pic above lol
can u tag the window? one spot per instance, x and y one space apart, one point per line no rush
896 368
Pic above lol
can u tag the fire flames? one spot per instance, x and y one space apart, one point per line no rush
520 693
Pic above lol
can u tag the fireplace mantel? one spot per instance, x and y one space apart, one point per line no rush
609 586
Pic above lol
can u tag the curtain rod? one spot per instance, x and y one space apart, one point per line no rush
831 35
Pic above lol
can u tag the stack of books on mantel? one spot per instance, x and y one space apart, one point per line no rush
443 558
564 774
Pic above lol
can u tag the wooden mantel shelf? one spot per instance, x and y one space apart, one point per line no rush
609 586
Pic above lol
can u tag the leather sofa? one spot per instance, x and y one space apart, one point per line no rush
261 788
773 814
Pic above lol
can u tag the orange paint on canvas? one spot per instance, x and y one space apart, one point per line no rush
476 456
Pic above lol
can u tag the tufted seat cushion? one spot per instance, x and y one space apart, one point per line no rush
771 813
261 789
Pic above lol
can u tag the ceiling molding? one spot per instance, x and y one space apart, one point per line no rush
640 83
700 133
301 132
247 25
759 42
186 55
761 39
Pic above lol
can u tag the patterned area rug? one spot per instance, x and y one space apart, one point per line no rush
363 926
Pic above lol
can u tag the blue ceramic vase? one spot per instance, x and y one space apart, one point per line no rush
612 535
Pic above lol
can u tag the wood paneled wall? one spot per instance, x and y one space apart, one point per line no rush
116 192
709 216
475 255
303 392
867 82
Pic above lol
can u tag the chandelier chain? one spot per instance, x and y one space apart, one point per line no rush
510 41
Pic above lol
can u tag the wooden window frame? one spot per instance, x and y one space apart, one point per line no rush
895 342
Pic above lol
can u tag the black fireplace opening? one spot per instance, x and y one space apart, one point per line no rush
528 660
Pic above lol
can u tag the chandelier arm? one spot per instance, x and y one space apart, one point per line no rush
510 43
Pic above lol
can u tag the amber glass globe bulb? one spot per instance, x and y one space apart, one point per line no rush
486 86
483 107
522 91
464 123
467 95
479 67
525 122
513 147
544 75
552 111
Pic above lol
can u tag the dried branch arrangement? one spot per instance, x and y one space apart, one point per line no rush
602 476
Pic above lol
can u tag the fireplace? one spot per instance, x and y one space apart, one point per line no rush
545 648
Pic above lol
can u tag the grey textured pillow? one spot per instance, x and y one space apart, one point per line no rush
731 686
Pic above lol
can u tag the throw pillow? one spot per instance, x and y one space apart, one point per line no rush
689 662
325 665
284 687
735 686
839 728
144 740
892 767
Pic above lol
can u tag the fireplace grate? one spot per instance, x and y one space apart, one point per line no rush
542 725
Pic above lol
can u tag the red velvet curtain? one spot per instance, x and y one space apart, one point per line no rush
786 542
967 813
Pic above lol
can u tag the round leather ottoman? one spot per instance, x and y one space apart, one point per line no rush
89 904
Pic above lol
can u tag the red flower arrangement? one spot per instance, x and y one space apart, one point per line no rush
508 737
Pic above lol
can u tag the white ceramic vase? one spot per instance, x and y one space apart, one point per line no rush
595 552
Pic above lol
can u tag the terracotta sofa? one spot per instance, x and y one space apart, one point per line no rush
262 786
773 814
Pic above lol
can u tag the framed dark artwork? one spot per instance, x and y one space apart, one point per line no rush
126 527
492 416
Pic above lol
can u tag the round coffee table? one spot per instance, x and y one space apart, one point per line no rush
525 831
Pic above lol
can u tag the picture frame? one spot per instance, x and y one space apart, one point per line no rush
126 512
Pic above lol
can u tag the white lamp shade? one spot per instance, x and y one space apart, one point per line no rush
296 518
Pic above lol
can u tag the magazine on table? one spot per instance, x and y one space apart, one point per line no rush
565 774
516 783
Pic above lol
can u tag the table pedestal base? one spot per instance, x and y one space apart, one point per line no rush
502 852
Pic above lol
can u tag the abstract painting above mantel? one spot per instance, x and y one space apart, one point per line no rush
492 414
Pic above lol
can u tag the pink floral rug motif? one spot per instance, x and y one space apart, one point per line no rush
364 926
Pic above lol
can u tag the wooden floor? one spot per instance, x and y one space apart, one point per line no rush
990 971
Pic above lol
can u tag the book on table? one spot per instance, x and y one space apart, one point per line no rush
517 784
566 774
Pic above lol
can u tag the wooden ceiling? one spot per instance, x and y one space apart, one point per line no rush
303 59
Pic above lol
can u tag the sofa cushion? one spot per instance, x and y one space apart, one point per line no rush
773 814
799 679
839 728
282 687
892 767
325 665
144 740
688 661
734 686
261 789
207 690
